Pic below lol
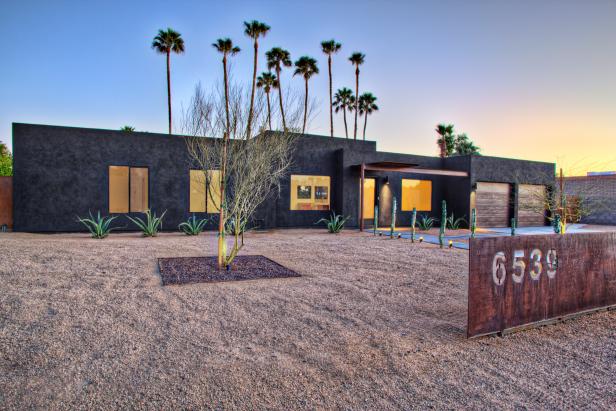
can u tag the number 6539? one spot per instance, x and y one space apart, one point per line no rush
537 264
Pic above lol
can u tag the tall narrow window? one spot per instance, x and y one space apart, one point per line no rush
204 192
310 192
369 191
128 189
416 194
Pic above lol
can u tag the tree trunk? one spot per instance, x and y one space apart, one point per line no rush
223 170
305 106
169 88
356 100
365 122
252 93
284 124
331 103
269 111
346 130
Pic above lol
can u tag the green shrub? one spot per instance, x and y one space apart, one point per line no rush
192 226
151 225
425 222
99 227
334 223
455 223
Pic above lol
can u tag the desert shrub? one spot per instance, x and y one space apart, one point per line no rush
151 225
334 223
192 226
455 223
99 226
425 222
231 226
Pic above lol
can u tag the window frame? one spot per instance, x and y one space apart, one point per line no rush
129 188
313 187
402 195
207 192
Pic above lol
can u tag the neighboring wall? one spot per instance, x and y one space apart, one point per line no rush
6 201
599 194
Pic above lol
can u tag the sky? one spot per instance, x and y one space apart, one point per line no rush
524 79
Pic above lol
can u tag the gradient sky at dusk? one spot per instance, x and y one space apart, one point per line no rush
525 79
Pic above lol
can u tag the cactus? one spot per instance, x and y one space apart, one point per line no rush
513 226
376 218
473 222
413 221
441 234
394 206
557 224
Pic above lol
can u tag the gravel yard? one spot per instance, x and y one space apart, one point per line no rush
372 323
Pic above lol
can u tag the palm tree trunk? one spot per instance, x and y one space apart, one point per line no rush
331 111
346 130
305 107
269 111
365 122
284 124
169 88
252 93
223 170
356 100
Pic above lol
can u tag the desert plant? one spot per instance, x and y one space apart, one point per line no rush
192 226
330 47
425 222
254 30
441 233
376 218
413 223
356 59
473 222
151 225
394 206
513 226
306 67
99 226
455 223
557 224
334 223
367 105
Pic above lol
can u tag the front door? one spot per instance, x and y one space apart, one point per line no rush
369 197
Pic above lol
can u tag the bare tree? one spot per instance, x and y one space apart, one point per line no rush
254 167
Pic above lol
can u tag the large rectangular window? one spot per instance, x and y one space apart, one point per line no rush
416 194
310 192
204 192
128 189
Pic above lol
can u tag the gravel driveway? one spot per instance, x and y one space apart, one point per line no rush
373 323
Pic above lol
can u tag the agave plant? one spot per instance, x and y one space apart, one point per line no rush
425 222
455 223
99 226
192 226
334 223
151 225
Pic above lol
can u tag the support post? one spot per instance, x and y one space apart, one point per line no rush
361 197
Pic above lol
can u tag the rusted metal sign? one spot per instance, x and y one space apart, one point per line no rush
517 281
6 201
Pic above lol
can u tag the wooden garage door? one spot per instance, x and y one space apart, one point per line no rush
531 211
492 202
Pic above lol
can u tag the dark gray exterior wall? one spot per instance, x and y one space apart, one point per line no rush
62 172
599 196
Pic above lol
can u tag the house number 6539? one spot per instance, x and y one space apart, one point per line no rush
518 265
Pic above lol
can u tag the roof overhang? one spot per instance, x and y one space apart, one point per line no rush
410 168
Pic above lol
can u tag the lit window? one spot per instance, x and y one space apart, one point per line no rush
369 193
204 193
310 192
128 189
416 194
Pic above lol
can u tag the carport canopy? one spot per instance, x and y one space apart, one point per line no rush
400 168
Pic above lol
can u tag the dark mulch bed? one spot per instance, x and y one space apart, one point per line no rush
186 270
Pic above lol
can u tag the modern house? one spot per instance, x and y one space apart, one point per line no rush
64 172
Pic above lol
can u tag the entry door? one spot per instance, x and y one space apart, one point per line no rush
369 193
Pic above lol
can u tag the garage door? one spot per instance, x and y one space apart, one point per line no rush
492 201
531 200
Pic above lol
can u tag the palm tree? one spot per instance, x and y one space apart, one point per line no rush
306 67
356 59
344 100
166 42
254 30
464 145
226 48
446 140
330 47
276 59
268 81
367 106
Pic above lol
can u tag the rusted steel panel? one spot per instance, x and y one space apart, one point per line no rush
6 201
525 279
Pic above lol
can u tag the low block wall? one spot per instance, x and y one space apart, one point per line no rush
517 281
6 201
